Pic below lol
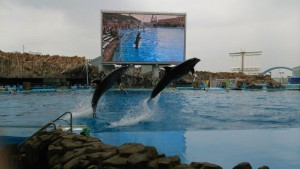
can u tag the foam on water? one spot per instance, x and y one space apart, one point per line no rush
143 112
173 110
83 109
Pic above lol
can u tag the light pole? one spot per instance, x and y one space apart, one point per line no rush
281 77
243 54
87 72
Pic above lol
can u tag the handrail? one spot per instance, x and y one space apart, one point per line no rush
69 123
54 126
42 129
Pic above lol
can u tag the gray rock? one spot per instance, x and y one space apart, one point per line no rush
54 160
204 165
68 137
93 167
110 167
152 152
243 165
53 150
93 139
76 162
161 155
57 141
58 149
183 166
153 164
73 154
115 161
97 146
138 161
70 144
108 148
45 137
98 157
126 150
168 162
83 163
89 149
58 166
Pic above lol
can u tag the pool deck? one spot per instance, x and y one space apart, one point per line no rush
139 89
288 87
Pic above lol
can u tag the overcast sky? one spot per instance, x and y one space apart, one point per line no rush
214 28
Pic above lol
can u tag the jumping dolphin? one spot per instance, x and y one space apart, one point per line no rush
137 40
103 85
173 74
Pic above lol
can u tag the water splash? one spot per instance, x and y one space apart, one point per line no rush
143 112
83 109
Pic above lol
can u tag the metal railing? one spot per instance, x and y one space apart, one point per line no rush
69 123
42 129
60 118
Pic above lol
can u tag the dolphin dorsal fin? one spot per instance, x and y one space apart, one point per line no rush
193 70
168 69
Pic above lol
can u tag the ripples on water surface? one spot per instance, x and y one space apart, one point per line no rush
224 128
172 110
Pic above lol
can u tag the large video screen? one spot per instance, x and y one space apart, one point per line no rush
142 37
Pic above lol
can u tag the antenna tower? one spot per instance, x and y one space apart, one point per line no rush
243 53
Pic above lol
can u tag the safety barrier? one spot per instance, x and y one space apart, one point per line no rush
44 128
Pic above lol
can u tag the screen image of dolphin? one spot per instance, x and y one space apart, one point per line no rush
173 74
105 84
137 40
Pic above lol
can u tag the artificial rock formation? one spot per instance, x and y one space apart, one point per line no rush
62 150
25 65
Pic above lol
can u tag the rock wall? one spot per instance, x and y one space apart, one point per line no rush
61 150
25 65
204 75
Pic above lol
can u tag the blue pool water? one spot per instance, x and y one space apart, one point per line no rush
156 45
225 128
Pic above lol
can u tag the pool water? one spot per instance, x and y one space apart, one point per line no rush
216 126
156 45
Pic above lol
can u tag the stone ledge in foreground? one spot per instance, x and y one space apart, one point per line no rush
62 150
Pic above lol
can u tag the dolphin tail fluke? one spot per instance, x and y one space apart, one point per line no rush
152 96
94 112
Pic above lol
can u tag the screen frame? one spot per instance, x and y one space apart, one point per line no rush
102 12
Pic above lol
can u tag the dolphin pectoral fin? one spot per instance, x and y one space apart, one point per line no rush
193 70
